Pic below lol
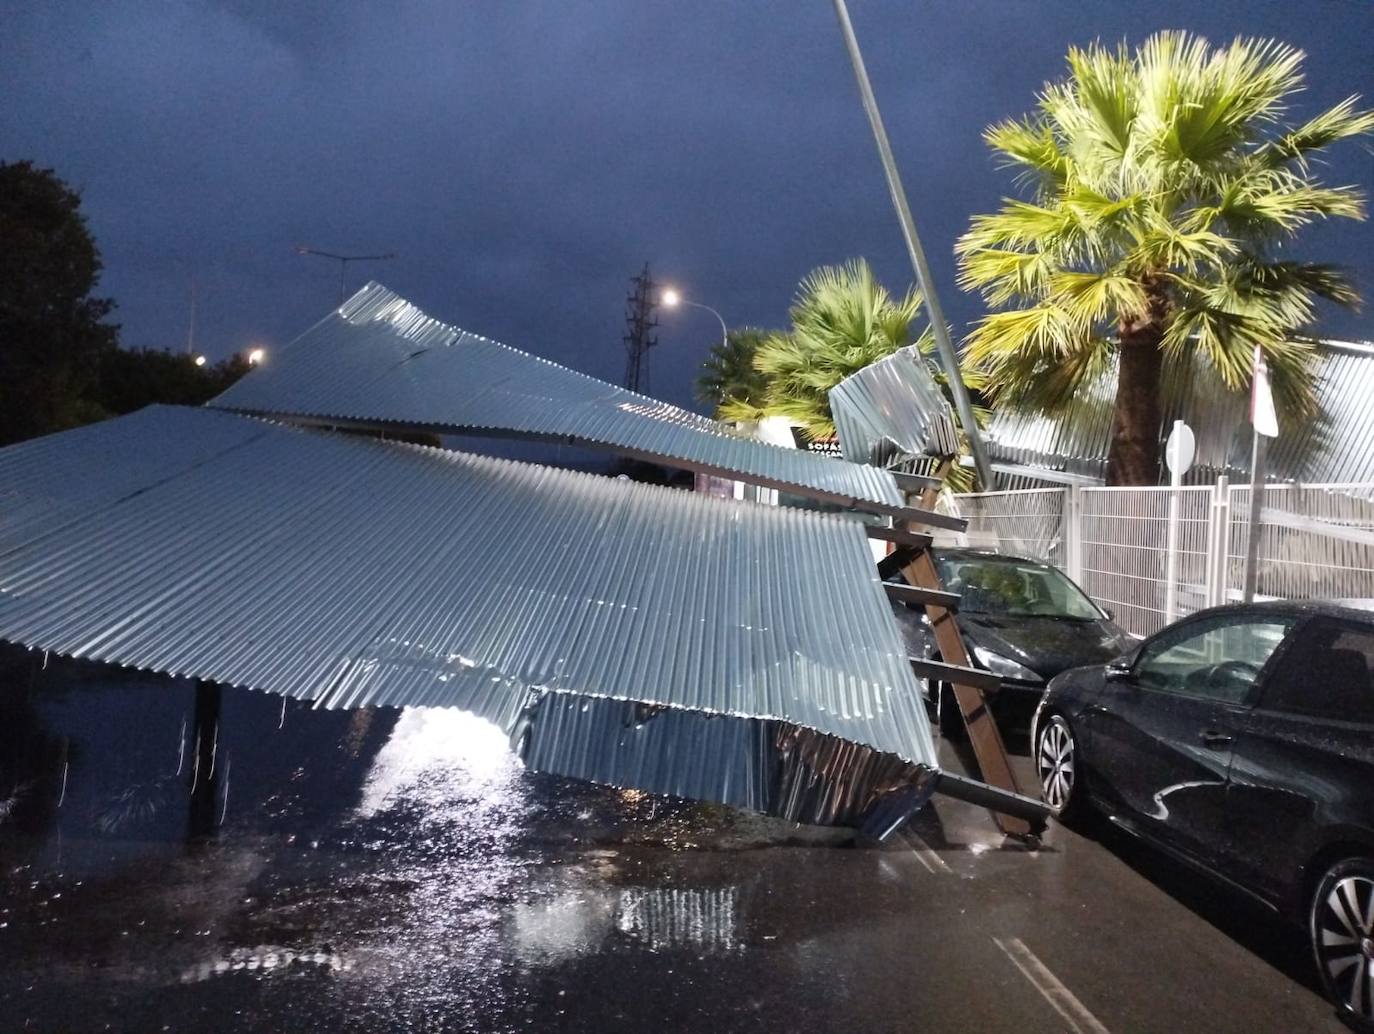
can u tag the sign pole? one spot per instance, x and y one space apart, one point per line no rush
1178 455
1171 574
1252 541
1264 423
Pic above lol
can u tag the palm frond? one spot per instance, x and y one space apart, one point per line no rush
1042 330
1339 122
1032 148
1090 298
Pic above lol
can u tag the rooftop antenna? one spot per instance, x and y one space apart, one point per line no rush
343 261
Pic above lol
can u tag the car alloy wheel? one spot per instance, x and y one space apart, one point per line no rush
1055 758
1342 926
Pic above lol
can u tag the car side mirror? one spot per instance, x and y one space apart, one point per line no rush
1111 614
1121 667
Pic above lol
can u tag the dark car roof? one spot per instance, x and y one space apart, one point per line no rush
1354 610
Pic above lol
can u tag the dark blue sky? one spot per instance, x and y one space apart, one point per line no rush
525 158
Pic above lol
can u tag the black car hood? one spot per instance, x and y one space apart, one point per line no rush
1046 645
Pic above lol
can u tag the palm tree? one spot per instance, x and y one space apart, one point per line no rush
842 320
1166 185
728 377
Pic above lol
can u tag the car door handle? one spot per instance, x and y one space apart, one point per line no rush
1212 738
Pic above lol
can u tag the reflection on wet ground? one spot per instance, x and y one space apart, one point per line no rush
173 860
152 839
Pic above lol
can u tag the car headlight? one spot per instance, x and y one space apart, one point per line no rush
1004 666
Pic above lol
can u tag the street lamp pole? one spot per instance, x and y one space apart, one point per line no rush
672 299
343 261
948 358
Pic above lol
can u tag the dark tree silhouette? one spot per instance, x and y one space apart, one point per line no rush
129 380
53 333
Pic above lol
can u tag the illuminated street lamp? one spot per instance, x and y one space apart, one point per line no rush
200 360
671 298
256 356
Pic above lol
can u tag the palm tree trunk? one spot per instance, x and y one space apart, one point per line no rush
1133 458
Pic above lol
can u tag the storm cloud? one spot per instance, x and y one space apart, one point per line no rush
524 159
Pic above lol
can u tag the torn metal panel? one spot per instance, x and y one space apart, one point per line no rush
351 572
778 768
378 361
893 409
1331 447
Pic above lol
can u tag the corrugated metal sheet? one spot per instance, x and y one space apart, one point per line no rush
1337 446
567 608
893 409
378 358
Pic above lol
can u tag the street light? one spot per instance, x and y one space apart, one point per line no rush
671 298
200 360
256 356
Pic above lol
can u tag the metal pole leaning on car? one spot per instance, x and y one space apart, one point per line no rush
938 326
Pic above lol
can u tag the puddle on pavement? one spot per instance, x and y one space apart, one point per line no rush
153 838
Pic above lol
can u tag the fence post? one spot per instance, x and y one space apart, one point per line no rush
1218 542
1073 534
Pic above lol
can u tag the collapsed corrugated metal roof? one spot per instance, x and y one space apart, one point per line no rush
378 360
621 632
1334 447
892 409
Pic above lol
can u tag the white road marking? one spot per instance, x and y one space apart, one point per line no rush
1065 1002
929 858
920 859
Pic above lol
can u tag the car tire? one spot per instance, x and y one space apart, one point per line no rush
1340 926
1057 765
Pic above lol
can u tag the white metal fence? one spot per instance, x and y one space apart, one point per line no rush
1153 554
1029 522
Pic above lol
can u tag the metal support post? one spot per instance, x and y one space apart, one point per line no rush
1073 533
1171 549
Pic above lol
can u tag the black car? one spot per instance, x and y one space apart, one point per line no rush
1021 619
1240 739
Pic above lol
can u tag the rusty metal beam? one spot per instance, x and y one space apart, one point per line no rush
898 537
918 595
983 734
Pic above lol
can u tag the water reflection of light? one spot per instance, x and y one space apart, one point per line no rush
437 756
669 917
579 922
563 927
444 805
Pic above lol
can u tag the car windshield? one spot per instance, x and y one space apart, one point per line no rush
1014 588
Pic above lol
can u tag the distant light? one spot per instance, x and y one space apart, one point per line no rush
200 360
670 297
256 356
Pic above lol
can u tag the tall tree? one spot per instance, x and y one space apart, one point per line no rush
728 376
1167 184
52 331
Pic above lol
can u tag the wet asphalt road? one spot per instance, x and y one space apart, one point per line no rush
399 871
